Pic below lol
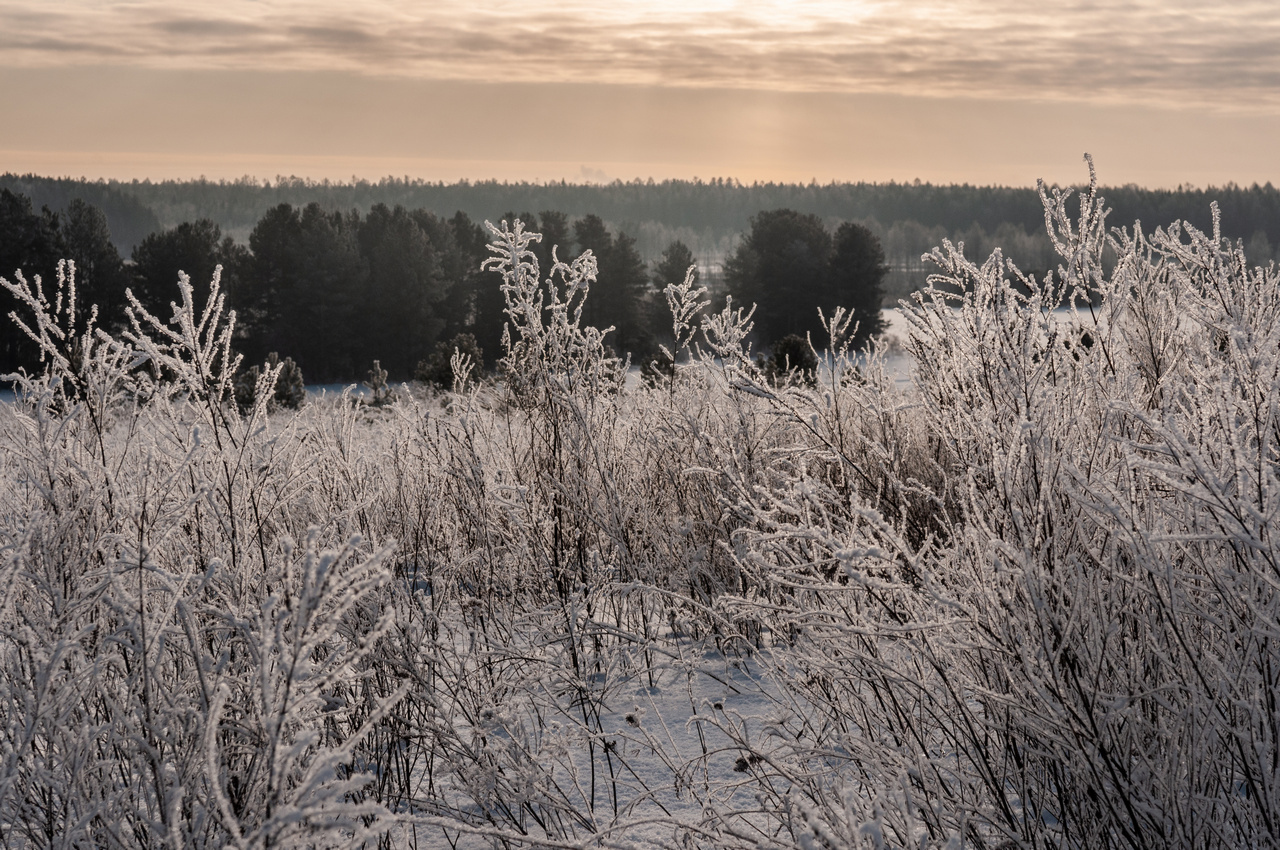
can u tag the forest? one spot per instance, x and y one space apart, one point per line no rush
910 219
336 292
1030 599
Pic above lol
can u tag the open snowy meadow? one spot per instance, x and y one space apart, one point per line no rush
1029 598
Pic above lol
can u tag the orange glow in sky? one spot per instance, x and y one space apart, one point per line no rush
982 91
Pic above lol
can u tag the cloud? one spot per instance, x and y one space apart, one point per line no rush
1160 52
208 28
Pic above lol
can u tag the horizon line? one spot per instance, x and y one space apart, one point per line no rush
300 181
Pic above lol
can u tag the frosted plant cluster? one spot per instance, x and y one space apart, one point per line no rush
1031 601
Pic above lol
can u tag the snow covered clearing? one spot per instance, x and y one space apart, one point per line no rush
1029 598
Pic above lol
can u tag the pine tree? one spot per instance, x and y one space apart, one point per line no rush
856 279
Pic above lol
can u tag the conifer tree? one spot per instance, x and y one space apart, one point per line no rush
101 278
856 279
30 241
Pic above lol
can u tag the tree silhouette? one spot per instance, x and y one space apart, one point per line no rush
191 247
857 272
554 227
303 289
196 248
398 316
673 264
782 265
101 277
480 302
617 296
30 241
790 266
671 268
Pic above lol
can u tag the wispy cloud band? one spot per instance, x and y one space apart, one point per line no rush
1162 52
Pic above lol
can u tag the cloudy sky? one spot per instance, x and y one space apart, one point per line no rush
980 91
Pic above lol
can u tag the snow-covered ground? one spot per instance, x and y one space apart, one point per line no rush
1038 610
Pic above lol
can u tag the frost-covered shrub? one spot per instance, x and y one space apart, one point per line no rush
1080 654
658 371
1028 602
172 668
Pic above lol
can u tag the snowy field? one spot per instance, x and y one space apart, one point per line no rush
1027 595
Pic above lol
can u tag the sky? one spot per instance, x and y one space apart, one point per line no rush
980 91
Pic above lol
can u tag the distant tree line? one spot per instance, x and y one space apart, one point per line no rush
709 217
716 206
337 290
131 218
